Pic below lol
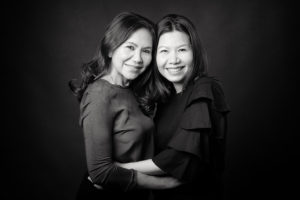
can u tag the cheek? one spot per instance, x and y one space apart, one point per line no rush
160 62
147 60
124 54
189 59
161 71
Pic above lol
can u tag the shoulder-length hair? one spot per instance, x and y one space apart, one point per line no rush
175 22
117 32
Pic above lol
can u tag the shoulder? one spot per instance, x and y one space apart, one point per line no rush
208 85
99 91
211 89
203 87
102 88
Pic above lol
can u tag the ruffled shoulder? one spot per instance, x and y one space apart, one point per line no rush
210 89
195 125
193 130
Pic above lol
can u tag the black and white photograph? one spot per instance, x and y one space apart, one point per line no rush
150 100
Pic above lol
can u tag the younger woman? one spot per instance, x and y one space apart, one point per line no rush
191 115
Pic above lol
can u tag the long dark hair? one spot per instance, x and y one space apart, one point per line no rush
116 33
175 22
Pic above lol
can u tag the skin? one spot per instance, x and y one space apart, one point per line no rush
131 58
128 61
175 58
121 71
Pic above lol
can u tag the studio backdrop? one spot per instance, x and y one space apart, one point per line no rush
250 46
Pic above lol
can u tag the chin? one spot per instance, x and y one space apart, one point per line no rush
174 79
132 77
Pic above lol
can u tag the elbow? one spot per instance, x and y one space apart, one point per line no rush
99 168
113 178
100 174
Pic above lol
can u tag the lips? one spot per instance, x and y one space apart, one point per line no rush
136 69
174 70
134 66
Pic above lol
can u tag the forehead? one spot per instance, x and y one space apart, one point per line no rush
141 37
174 38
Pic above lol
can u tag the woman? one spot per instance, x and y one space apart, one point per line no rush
191 115
115 128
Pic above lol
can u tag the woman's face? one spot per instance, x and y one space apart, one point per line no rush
174 57
131 59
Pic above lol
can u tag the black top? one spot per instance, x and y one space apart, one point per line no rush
115 129
188 131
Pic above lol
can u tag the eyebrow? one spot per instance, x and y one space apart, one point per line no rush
137 45
132 43
183 45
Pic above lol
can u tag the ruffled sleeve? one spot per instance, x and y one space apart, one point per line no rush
188 138
186 156
209 89
219 100
189 151
205 101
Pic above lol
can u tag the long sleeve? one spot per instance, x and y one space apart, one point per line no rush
196 144
97 119
187 154
179 164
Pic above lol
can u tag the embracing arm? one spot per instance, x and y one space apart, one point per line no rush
144 166
156 182
144 181
97 119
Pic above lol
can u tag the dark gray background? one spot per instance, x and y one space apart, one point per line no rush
250 46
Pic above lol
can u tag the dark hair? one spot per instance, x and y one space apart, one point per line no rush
174 22
116 33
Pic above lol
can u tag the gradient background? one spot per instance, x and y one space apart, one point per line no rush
250 47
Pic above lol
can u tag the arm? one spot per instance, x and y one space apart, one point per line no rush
144 166
97 121
151 182
155 182
186 153
97 118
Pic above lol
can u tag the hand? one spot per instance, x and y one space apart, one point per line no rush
99 187
119 164
172 182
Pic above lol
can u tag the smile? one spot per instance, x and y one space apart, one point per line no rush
175 69
134 66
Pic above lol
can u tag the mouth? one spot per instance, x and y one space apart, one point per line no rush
136 69
134 66
174 70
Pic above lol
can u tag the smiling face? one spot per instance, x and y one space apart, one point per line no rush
132 57
174 58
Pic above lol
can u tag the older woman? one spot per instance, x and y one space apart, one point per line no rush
113 112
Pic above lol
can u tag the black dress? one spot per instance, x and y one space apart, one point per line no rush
189 141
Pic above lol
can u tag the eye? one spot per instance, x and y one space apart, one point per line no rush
163 51
131 47
148 51
182 49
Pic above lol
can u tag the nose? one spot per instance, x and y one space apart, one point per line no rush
173 59
137 58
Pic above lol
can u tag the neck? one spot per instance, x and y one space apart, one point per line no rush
178 87
116 78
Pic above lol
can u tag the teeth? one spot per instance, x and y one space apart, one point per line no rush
174 70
